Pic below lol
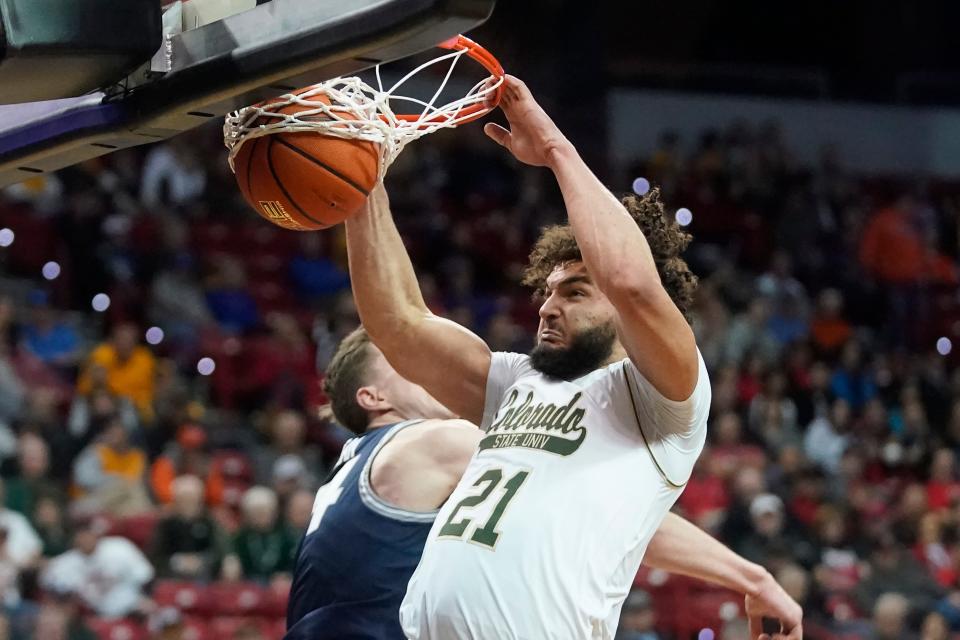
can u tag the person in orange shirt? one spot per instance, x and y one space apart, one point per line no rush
829 329
187 456
892 248
129 367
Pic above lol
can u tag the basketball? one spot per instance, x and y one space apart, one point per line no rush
306 181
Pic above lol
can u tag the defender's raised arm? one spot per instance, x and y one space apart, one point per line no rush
446 359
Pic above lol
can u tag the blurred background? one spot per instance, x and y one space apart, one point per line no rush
160 406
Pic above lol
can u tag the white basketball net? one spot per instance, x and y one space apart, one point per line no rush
358 111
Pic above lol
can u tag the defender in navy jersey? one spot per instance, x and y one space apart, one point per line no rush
371 518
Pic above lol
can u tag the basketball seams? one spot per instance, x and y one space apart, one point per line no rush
253 150
283 189
346 179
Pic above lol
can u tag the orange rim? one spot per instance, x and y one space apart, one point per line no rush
488 61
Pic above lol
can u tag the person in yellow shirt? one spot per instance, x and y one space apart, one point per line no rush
125 367
109 475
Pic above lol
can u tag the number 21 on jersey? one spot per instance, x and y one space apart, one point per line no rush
492 485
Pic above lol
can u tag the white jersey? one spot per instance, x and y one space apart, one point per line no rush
544 534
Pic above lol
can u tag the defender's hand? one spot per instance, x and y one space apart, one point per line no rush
773 602
533 137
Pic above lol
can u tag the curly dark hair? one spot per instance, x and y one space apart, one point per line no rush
667 241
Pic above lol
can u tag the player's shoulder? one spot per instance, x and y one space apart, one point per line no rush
439 437
433 444
517 364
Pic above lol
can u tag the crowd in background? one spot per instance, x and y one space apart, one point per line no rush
161 418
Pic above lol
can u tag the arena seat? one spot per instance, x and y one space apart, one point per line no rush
117 629
137 529
188 597
197 629
237 599
233 465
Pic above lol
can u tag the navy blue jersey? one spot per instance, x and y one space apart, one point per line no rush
358 554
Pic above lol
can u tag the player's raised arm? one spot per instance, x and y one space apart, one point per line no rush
446 359
617 256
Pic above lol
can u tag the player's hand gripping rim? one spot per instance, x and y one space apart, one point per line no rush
533 137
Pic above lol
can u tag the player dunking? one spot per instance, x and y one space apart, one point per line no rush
371 519
589 439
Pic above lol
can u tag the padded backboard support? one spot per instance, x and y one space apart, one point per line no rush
241 59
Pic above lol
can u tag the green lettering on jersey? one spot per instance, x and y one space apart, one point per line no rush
532 423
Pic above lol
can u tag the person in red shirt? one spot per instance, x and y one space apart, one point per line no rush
943 490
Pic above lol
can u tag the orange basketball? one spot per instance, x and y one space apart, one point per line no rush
304 180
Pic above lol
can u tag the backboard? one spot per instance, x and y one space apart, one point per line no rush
216 56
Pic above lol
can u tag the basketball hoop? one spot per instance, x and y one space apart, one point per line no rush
350 108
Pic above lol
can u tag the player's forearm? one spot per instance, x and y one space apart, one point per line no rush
681 547
384 283
614 248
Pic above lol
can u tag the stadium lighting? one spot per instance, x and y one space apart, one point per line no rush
641 186
944 346
206 366
100 302
684 216
51 270
154 335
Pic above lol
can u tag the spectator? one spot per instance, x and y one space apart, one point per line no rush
637 618
60 620
771 538
750 333
892 248
943 489
287 433
20 542
48 337
748 484
730 452
772 405
107 573
890 617
228 299
12 391
172 174
892 569
299 510
177 303
813 398
90 412
829 329
826 438
263 546
788 300
851 382
289 476
934 627
705 499
129 368
48 518
186 543
315 276
33 480
839 564
109 474
186 455
282 366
